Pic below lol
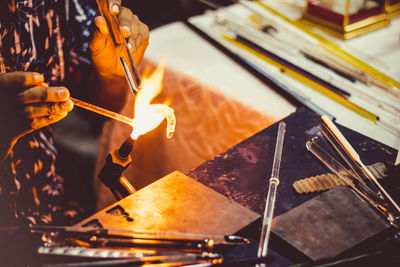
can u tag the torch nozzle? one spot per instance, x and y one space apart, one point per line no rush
111 173
126 148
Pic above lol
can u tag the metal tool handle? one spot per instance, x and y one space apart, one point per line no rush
118 39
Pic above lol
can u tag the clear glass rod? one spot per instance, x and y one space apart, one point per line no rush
271 196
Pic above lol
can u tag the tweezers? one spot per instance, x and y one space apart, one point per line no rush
118 39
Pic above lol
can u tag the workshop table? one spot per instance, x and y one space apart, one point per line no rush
242 172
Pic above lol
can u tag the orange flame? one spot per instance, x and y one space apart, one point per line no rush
149 116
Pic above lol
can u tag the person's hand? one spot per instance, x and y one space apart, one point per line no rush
104 53
27 104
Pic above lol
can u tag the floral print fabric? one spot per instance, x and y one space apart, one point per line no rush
50 37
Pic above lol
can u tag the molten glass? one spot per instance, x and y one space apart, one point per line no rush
149 116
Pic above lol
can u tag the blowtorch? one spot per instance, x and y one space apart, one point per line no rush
111 173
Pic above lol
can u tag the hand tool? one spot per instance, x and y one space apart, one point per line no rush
118 39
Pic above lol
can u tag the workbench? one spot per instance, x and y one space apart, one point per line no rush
242 172
306 227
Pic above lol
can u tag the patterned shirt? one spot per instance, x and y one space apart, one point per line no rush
50 37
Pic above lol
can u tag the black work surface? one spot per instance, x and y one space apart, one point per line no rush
243 171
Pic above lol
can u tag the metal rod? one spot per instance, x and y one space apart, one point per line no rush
141 234
245 261
176 259
118 39
210 4
128 75
273 185
136 75
102 111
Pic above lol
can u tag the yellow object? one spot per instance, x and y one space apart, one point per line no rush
117 159
337 51
312 84
347 30
393 9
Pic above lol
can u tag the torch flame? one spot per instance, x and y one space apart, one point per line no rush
149 116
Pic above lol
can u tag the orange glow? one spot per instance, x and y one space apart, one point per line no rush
148 116
210 243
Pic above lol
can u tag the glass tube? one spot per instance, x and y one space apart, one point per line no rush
271 196
102 111
315 145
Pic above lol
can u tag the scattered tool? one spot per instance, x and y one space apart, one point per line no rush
360 178
63 236
328 181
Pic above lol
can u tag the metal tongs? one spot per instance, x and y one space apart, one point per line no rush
118 39
116 247
95 237
357 175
